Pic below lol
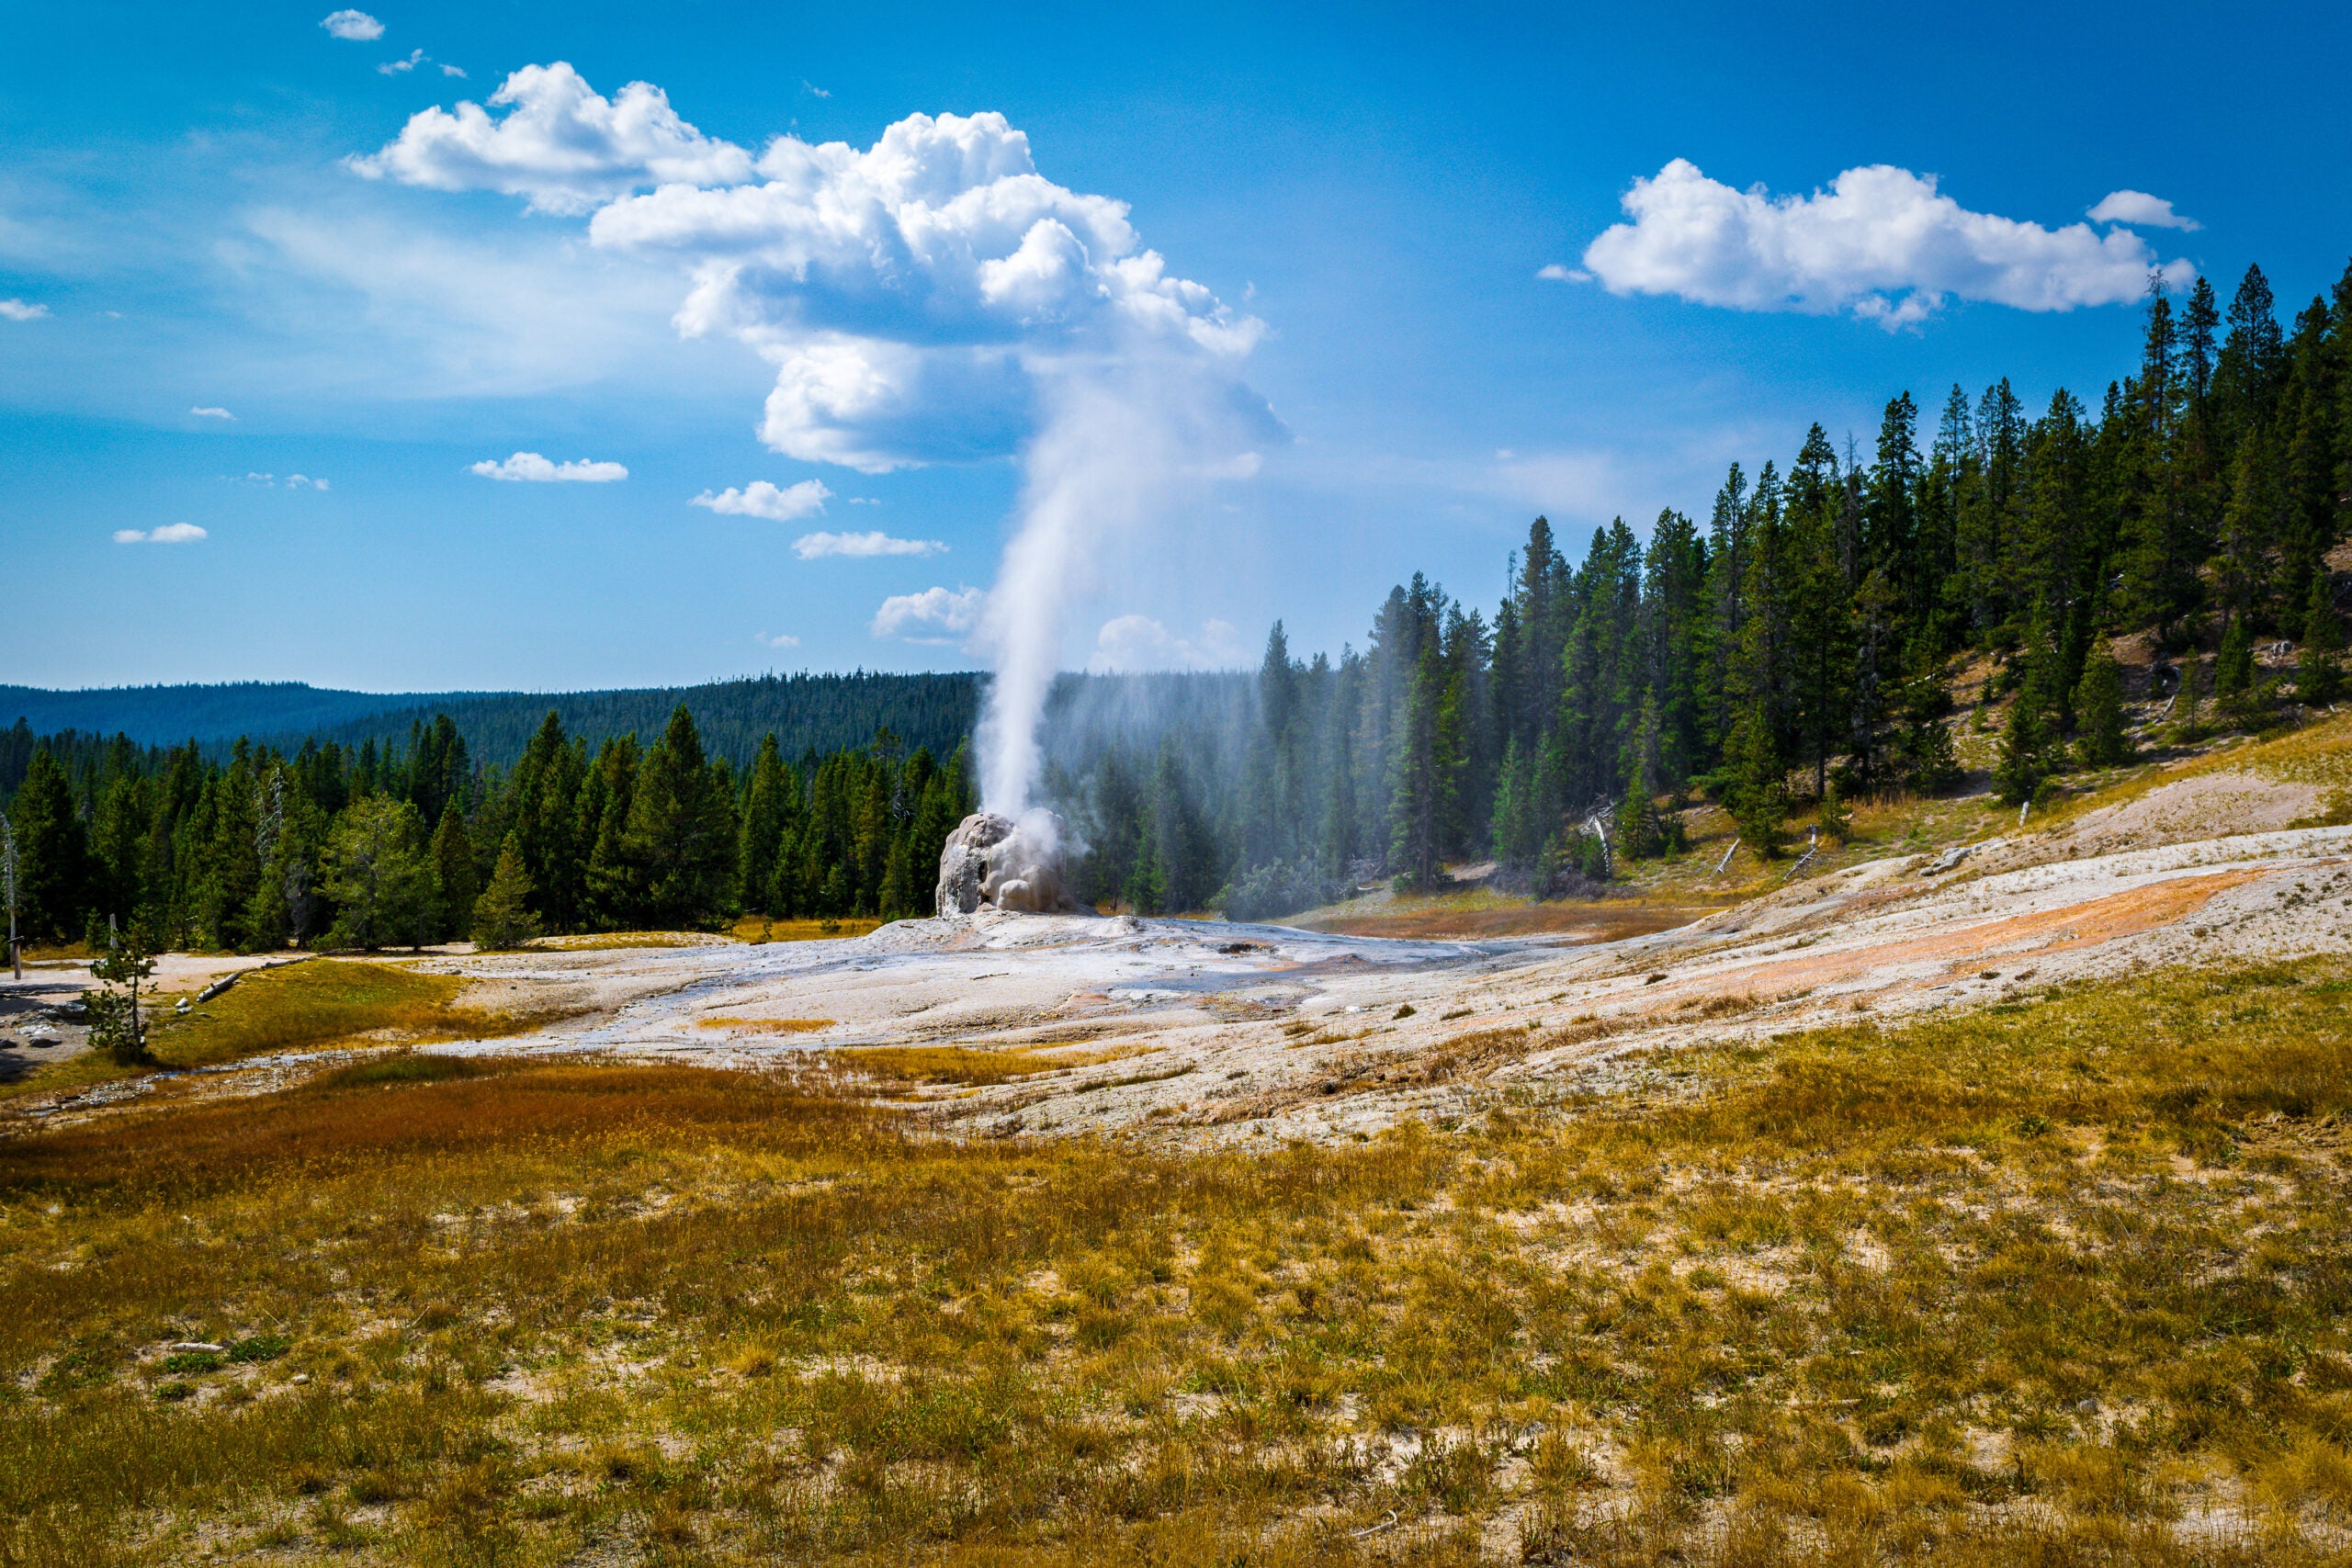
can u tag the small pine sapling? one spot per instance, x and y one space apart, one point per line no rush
502 915
1837 818
116 1027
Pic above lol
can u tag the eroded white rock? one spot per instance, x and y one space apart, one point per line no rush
1004 864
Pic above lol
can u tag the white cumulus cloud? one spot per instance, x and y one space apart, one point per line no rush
2139 207
562 145
169 534
778 639
761 498
395 67
1882 243
1130 643
1553 272
212 414
356 27
22 310
922 299
530 466
935 615
810 547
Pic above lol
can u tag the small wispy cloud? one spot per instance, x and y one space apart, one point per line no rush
785 503
212 414
291 481
776 639
22 310
821 91
169 534
458 71
864 501
530 468
810 547
394 67
2137 206
1553 272
353 26
934 615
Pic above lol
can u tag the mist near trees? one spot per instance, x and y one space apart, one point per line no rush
1795 645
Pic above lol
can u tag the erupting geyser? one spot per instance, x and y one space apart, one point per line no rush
1004 864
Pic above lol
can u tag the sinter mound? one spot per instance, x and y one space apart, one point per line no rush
1005 864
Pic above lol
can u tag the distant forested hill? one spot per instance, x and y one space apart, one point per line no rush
819 713
164 716
807 713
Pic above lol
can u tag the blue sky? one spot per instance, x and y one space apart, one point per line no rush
1366 203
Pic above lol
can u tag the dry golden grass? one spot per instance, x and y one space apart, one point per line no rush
2063 1282
766 1025
603 941
760 928
958 1064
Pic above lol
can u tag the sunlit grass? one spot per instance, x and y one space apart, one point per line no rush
760 928
959 1063
765 1025
603 941
2063 1282
324 1002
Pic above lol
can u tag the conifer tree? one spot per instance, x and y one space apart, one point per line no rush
1759 784
2099 711
2234 674
117 1027
502 916
453 873
51 854
2319 675
766 806
376 873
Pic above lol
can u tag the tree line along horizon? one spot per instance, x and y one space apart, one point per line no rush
1800 648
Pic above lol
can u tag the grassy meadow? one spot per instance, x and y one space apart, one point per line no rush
2064 1281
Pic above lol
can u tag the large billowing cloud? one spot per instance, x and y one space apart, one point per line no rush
914 296
1882 243
562 145
930 299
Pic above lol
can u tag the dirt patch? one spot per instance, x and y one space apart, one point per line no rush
2211 806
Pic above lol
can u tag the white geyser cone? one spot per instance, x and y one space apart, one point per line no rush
1005 864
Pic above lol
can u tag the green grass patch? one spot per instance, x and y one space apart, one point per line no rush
324 1002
